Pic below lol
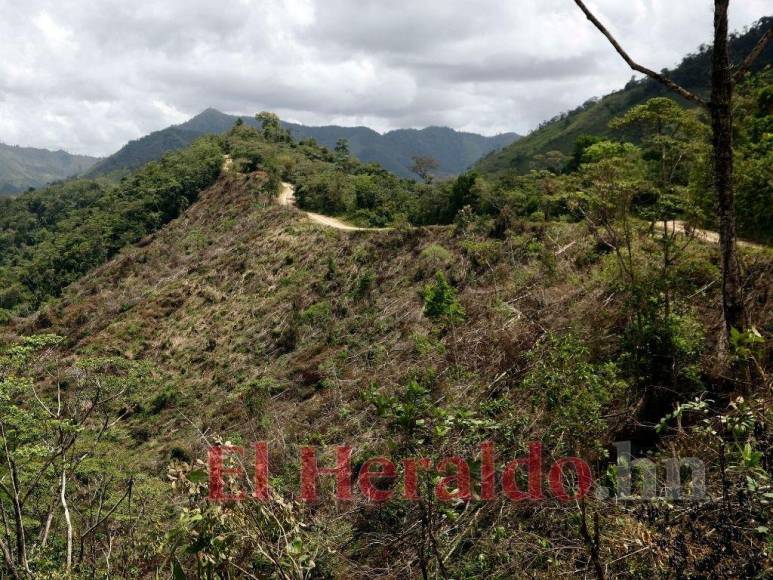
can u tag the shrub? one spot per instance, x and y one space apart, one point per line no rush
317 314
364 285
573 391
256 393
664 350
436 255
440 302
483 253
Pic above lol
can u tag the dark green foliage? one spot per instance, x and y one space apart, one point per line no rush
463 193
753 161
581 144
49 238
754 144
662 349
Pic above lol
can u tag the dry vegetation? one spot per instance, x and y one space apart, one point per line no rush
262 326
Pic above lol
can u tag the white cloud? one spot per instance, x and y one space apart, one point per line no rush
88 77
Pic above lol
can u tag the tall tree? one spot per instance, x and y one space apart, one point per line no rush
272 127
723 81
424 166
342 147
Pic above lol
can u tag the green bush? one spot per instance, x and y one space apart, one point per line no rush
573 391
436 255
664 350
440 302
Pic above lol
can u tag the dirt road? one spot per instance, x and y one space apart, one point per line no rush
287 198
703 235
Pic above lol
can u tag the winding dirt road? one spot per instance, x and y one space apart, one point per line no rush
287 198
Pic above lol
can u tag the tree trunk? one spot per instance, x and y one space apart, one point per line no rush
722 126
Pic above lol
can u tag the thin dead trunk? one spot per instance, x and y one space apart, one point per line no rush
14 494
67 519
9 560
47 527
722 127
723 81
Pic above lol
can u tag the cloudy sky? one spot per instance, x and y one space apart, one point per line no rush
89 76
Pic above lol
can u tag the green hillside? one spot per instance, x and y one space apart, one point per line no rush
592 118
22 168
454 151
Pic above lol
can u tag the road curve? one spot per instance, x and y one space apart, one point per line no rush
703 235
287 198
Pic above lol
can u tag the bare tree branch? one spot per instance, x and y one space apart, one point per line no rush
67 519
680 90
111 512
749 61
9 560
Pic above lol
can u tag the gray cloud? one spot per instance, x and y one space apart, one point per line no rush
87 77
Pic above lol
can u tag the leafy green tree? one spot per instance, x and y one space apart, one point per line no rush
610 178
342 147
464 194
670 135
578 152
754 158
273 132
56 475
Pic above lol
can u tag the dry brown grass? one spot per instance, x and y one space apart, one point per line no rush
222 301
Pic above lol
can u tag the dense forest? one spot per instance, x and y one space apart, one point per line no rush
51 237
488 336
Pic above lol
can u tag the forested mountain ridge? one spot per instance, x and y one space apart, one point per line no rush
537 150
22 168
454 151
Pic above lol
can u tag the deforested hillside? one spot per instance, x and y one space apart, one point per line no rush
241 321
592 118
240 348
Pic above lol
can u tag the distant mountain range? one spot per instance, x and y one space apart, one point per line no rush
592 118
24 167
455 151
